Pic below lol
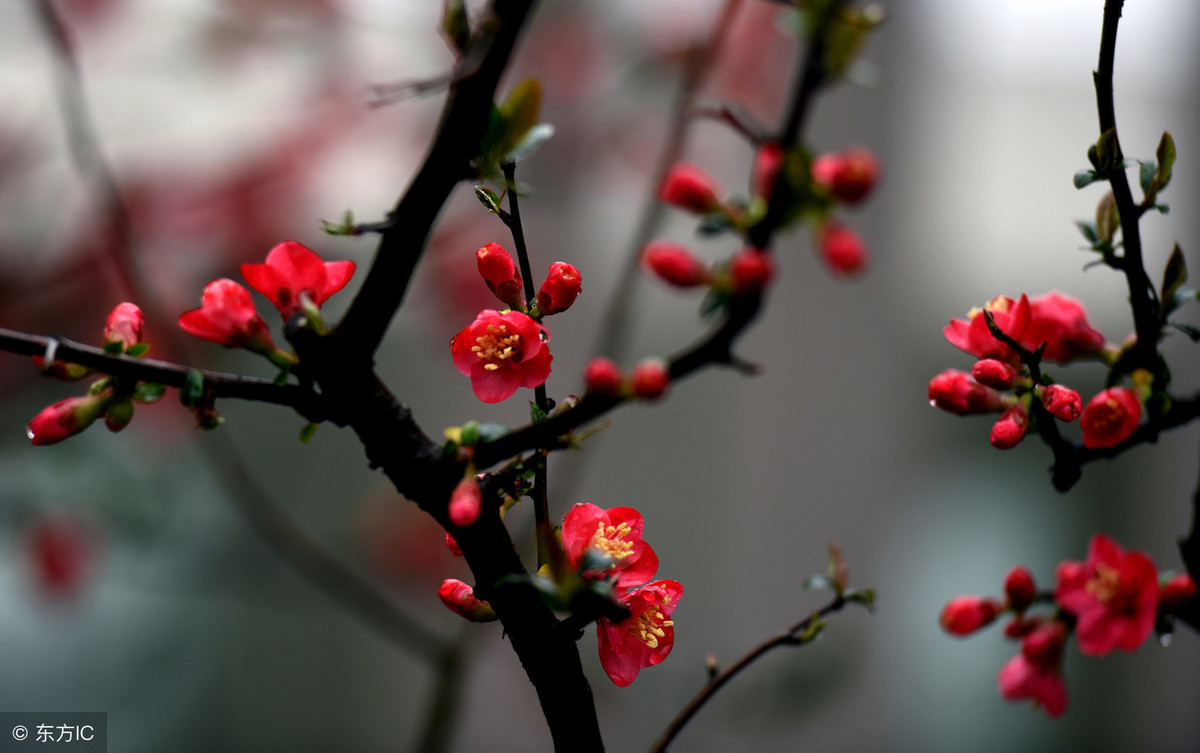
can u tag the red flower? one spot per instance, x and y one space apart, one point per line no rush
1064 403
614 535
1019 589
562 286
1061 323
227 316
675 265
972 334
124 325
688 187
66 418
957 392
841 249
1110 417
497 269
849 175
1010 428
293 270
993 373
460 599
603 377
1036 672
750 270
1113 595
650 378
645 638
965 614
501 352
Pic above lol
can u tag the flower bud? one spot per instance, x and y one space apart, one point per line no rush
124 325
460 599
1044 644
768 161
1110 417
1010 428
66 418
957 392
966 614
841 249
750 270
466 502
650 378
1019 589
227 316
849 176
603 377
1176 592
452 545
497 269
562 286
688 187
675 265
996 374
1064 403
118 414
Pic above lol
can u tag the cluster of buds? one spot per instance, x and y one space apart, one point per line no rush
109 398
845 178
746 272
648 380
1054 326
504 350
1112 600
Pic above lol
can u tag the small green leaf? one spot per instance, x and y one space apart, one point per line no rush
1174 275
1162 208
345 227
1085 178
1187 329
864 596
1108 219
811 630
193 388
489 198
1107 151
138 350
307 432
1088 229
1146 176
537 413
114 347
1166 159
530 143
1093 156
456 26
520 113
149 392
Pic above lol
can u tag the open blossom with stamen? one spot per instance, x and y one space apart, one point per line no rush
614 535
501 352
293 270
643 639
1110 417
1113 595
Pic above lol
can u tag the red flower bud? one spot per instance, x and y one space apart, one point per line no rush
650 378
1010 428
452 545
66 418
460 599
603 377
841 249
966 614
1064 403
688 187
1019 589
957 392
849 176
124 325
675 264
227 316
466 502
1110 417
497 269
1176 592
767 163
993 373
562 286
750 270
293 271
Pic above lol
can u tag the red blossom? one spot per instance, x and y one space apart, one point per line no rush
650 378
750 270
603 377
1110 417
124 325
1064 403
1060 322
973 336
460 598
688 187
613 535
957 392
643 639
562 286
502 352
675 265
964 615
1036 672
842 250
227 316
66 418
293 270
498 270
1113 595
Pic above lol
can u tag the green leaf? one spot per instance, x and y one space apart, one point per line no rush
489 198
1089 231
456 26
811 630
193 388
530 143
1166 159
1174 275
114 347
1107 151
1085 178
1187 329
537 413
1146 176
345 227
307 432
149 392
138 350
864 596
489 145
1108 219
520 113
1162 208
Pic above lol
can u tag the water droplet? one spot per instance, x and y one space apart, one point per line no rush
29 432
1165 639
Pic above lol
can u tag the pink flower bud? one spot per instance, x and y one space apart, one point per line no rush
1064 403
1110 417
1019 589
466 502
460 599
124 325
603 377
562 286
768 161
688 187
849 176
841 249
750 270
957 392
650 378
993 373
1010 428
1176 592
497 269
66 418
966 614
675 264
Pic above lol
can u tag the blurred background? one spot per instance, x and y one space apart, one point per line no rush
131 583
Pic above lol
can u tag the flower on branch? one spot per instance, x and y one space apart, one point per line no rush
643 639
66 418
957 392
973 336
1113 595
501 352
498 270
124 326
1110 417
466 502
1036 672
562 286
964 615
1063 403
650 378
603 377
608 543
848 176
1060 323
750 271
1019 589
842 250
227 316
675 265
460 598
688 187
293 271
993 373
